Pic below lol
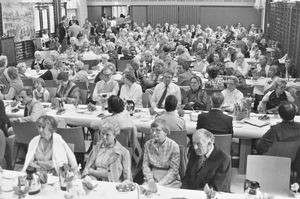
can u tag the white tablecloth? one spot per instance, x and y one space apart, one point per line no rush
106 190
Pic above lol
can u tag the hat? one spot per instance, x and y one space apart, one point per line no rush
130 77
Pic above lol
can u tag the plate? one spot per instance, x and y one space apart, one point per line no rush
82 106
80 111
52 179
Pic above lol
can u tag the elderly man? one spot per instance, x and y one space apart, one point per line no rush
232 95
288 129
37 63
106 85
207 164
174 122
215 120
272 99
165 88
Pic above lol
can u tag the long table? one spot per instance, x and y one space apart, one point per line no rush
82 117
104 190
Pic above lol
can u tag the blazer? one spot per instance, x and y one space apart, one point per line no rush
216 172
216 122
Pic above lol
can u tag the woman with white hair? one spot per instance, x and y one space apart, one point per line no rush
38 61
22 69
241 65
13 84
232 96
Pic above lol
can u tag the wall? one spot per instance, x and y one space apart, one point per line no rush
94 13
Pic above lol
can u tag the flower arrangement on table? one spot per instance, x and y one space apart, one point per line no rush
295 189
243 111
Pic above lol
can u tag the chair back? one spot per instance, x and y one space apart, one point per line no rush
73 136
223 142
82 85
52 91
145 99
51 84
27 82
91 63
209 92
272 173
290 149
71 146
25 131
91 88
121 64
180 137
246 90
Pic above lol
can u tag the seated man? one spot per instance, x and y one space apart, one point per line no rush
232 95
272 99
106 85
174 122
67 90
207 164
215 120
161 158
287 129
163 89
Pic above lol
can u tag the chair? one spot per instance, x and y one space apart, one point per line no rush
91 88
290 149
145 99
246 90
24 132
121 64
272 179
180 137
223 142
209 92
73 136
52 91
82 85
91 63
27 82
71 146
50 83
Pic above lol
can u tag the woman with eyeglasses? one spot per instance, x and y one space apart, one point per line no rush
161 158
196 98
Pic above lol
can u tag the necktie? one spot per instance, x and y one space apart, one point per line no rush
162 97
26 112
201 161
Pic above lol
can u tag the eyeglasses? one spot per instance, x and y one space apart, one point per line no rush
156 131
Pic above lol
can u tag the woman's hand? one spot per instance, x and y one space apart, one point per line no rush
152 186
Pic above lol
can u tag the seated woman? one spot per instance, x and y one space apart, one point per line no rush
196 98
161 157
241 65
12 85
274 74
48 151
272 99
183 73
155 76
40 93
214 81
22 69
51 73
109 160
131 90
68 91
38 62
80 73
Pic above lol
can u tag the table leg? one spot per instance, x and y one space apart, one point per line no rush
245 150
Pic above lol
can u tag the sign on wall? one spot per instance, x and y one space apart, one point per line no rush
17 19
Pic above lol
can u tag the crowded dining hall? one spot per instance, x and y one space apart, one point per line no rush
150 99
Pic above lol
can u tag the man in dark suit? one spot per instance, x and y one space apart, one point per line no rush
215 120
207 165
62 33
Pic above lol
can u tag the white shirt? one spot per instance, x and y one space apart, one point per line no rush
110 88
173 89
231 98
243 68
133 93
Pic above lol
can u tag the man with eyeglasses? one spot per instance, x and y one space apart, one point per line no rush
164 89
106 86
272 99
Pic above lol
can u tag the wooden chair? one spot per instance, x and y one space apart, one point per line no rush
82 85
121 64
180 137
27 82
223 142
272 173
24 132
73 136
52 91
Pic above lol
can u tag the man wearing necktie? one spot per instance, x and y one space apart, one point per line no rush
163 89
207 164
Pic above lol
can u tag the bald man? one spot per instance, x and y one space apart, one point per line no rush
207 164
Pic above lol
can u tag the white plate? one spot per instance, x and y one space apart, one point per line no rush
52 179
82 106
80 111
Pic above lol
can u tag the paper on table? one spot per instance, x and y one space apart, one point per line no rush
256 122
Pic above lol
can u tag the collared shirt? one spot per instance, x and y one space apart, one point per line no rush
232 97
173 89
165 156
133 93
200 66
111 87
207 155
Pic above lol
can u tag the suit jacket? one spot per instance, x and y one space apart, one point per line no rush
174 122
216 122
61 32
33 111
215 171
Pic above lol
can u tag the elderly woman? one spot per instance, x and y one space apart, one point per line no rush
131 90
274 74
196 98
241 65
13 84
38 61
3 63
48 151
67 90
22 69
40 93
214 81
109 160
161 157
51 73
80 73
183 72
272 99
232 95
104 62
